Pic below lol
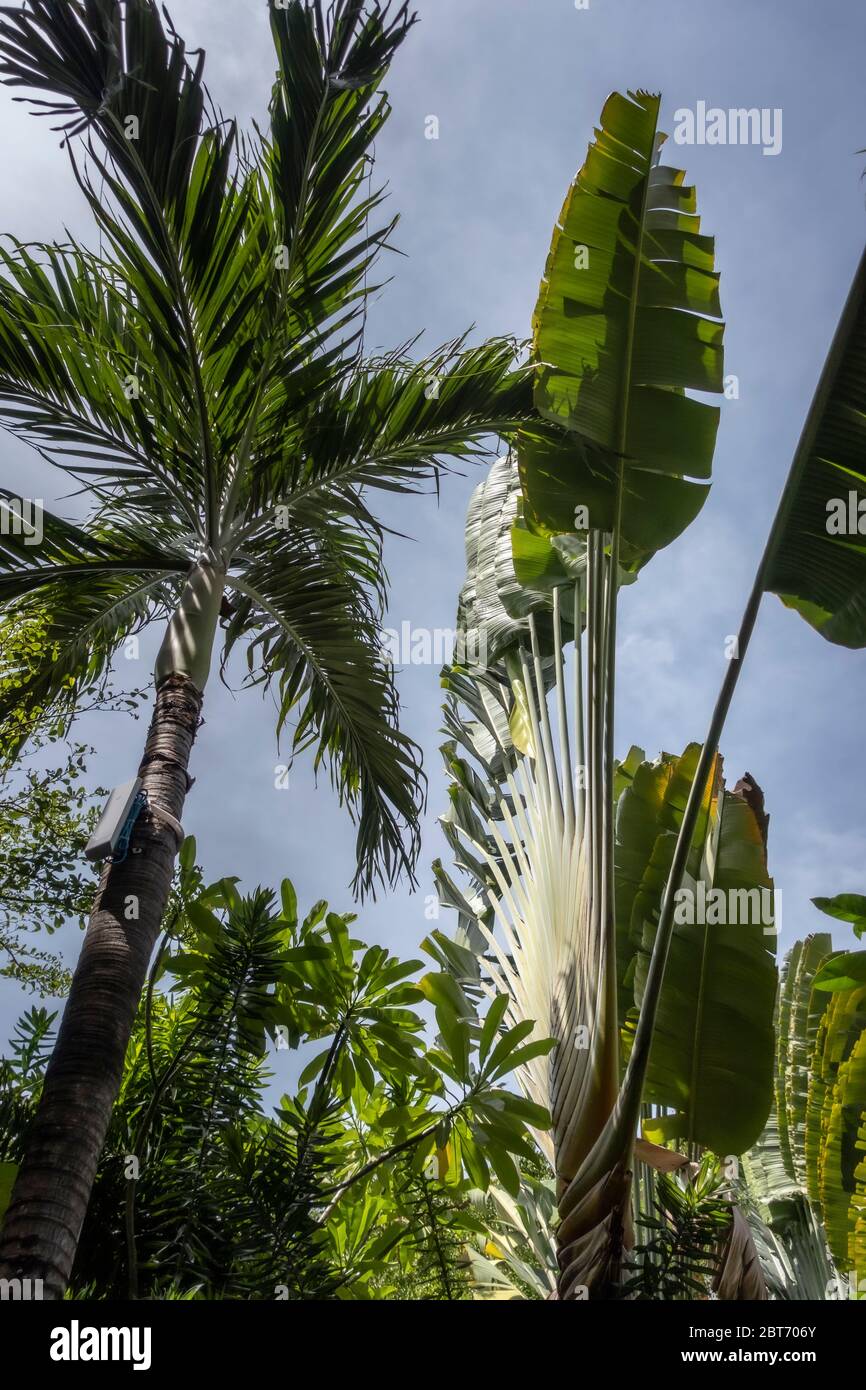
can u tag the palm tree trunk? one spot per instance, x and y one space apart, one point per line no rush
63 1146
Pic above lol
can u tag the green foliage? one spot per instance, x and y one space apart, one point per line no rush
846 970
513 1252
681 1256
21 1073
711 1063
627 320
47 812
835 1129
817 561
204 378
815 1141
45 821
431 1253
848 907
357 1183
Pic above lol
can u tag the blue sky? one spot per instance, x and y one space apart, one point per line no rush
517 86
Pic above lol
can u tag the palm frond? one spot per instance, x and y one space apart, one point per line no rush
389 424
326 111
311 630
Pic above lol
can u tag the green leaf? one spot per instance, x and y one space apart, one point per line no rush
506 1045
492 1022
848 907
186 856
711 1060
443 991
455 1033
289 900
835 1120
521 1055
494 602
205 922
503 1166
818 551
527 1110
312 1069
627 320
842 972
799 1010
475 1163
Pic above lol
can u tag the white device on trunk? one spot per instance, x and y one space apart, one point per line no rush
103 841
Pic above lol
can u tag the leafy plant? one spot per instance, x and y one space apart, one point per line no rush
21 1075
812 569
513 1254
807 1173
357 1185
711 1063
681 1256
627 321
47 812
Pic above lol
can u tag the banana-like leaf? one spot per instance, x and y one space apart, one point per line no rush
528 867
799 1013
836 1126
818 562
493 612
785 1226
493 606
518 837
846 970
816 1135
847 907
627 320
477 713
648 796
740 1276
792 1250
711 1061
496 601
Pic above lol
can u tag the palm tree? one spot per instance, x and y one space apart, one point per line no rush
203 374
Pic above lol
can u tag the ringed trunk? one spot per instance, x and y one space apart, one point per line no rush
62 1149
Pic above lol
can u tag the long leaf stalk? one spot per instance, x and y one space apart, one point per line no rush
579 706
559 860
562 714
